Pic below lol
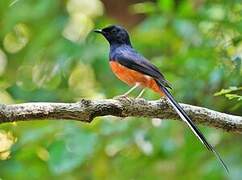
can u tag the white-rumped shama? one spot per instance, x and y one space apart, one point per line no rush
135 70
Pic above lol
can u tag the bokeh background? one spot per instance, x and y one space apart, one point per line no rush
49 53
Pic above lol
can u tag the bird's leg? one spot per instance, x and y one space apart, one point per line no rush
140 94
129 91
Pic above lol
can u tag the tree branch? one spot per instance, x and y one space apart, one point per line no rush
87 110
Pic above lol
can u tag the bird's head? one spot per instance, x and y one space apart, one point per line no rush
115 35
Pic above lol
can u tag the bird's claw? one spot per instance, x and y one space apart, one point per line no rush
123 97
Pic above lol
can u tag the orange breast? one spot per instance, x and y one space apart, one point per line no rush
132 77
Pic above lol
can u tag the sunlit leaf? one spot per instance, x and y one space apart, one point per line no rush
17 39
216 12
6 142
78 27
5 97
226 91
43 154
80 21
90 8
3 62
82 74
234 96
144 7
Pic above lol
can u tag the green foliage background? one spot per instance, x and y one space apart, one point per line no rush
48 53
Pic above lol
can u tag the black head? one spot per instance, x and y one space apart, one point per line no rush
115 35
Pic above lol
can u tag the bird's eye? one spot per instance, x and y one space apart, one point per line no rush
114 31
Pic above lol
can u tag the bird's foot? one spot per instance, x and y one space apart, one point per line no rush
140 94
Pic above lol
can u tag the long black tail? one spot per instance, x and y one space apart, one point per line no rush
192 126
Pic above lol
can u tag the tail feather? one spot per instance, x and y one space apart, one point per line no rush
192 126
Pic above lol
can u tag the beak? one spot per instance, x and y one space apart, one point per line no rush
98 31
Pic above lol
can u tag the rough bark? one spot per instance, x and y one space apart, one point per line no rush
87 110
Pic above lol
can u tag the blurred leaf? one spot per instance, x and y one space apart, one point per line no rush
27 82
88 78
236 40
238 62
46 75
80 21
144 7
216 12
17 39
91 8
166 5
71 152
187 30
6 142
3 62
234 96
226 91
5 98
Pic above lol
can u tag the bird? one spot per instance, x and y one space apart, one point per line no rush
135 70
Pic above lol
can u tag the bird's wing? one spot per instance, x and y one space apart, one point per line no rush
137 62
